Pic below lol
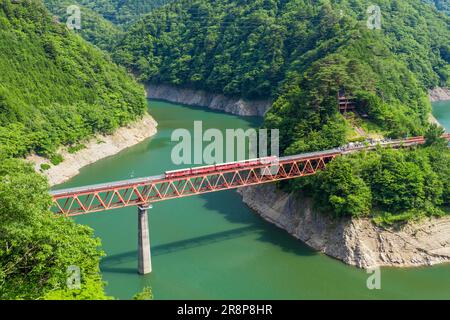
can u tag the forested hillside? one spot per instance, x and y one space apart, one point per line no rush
103 21
301 54
36 248
441 5
391 186
226 45
94 27
55 88
119 12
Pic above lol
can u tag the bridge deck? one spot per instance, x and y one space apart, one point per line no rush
131 192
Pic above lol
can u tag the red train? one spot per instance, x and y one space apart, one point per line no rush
220 167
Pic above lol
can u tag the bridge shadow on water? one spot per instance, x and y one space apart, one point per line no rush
110 263
237 212
229 204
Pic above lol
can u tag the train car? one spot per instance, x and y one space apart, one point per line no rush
203 170
248 163
264 160
245 163
225 166
220 167
177 173
414 139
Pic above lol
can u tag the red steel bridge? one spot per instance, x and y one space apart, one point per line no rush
143 192
189 182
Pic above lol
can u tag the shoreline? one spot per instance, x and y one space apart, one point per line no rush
432 119
97 148
439 94
356 242
201 98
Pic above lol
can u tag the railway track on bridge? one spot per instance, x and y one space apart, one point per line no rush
143 192
200 180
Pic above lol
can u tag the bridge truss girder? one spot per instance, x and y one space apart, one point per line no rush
83 202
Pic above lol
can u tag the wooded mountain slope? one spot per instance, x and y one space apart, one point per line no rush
302 53
298 50
103 21
54 87
247 47
441 5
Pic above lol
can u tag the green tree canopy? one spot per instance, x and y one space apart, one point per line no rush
55 88
37 247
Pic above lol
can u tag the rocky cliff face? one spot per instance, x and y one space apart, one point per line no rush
202 98
439 94
356 242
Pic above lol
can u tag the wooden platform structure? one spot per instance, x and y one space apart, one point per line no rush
345 103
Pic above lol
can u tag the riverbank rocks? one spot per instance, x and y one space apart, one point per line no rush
202 98
97 148
439 94
357 242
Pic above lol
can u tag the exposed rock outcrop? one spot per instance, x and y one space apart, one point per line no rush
439 94
357 242
202 98
97 148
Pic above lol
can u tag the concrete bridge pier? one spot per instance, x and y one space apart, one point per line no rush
144 254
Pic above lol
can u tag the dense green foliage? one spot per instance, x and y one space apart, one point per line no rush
441 5
54 87
119 12
102 21
94 27
433 136
301 53
390 185
36 247
247 47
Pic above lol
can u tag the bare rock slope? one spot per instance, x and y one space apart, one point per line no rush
97 148
357 242
439 94
202 98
